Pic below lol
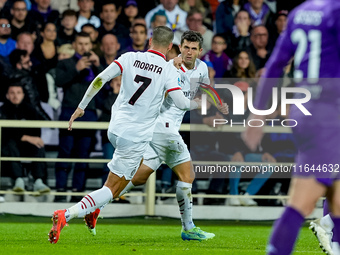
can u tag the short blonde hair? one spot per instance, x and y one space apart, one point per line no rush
66 49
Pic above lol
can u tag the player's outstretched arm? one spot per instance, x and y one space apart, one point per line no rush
184 103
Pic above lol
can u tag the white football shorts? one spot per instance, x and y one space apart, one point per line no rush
127 156
168 148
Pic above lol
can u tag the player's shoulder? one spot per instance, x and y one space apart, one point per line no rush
201 65
315 9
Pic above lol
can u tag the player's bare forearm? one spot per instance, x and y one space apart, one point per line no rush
77 114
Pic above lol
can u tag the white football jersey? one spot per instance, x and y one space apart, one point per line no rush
170 118
146 76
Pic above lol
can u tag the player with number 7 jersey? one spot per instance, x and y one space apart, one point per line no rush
146 77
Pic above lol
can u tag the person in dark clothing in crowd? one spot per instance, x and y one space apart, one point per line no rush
109 14
67 30
42 13
21 21
74 75
20 142
35 84
259 49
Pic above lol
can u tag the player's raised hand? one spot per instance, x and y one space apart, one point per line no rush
252 136
178 62
224 108
77 114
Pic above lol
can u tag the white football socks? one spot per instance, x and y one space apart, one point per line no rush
127 188
327 223
184 199
89 203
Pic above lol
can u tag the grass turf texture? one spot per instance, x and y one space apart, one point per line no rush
28 235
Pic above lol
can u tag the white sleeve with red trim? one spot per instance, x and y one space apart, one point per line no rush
112 71
181 101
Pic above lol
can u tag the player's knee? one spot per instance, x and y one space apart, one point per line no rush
139 181
188 178
304 208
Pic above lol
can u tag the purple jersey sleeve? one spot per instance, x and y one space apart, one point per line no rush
283 52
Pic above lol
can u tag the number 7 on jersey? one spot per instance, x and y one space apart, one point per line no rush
145 83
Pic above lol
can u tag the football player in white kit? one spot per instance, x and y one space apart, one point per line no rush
146 77
167 144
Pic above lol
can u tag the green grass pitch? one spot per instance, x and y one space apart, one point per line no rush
28 235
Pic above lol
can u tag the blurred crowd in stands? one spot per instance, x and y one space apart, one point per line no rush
50 50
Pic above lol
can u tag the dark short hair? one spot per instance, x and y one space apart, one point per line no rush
15 1
192 36
45 24
69 13
15 56
242 10
82 34
219 35
15 82
162 36
106 2
139 24
88 25
193 11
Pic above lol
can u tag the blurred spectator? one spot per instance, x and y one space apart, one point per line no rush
34 82
20 21
138 20
110 47
74 75
46 52
260 13
239 38
63 5
238 152
195 23
93 32
158 19
176 16
108 96
225 14
42 13
86 15
109 14
216 57
129 13
6 71
25 41
4 8
139 39
280 26
65 51
259 49
7 44
201 6
243 67
22 142
67 30
174 52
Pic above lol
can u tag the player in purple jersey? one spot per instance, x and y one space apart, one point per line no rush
312 37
